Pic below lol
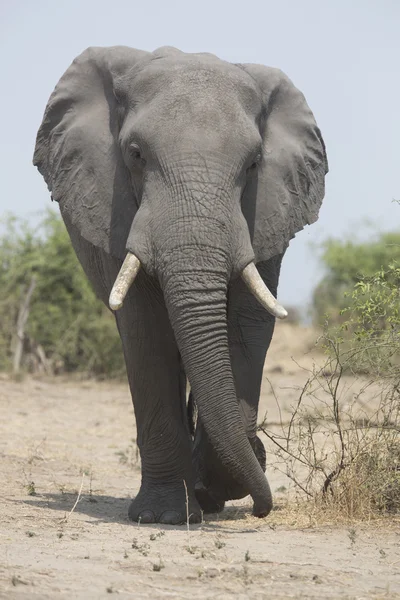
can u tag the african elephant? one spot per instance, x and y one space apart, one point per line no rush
182 172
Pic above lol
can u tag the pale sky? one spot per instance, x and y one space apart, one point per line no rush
343 55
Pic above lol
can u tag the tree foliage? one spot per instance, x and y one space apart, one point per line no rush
372 264
75 330
373 320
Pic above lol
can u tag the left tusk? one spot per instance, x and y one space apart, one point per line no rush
125 278
257 287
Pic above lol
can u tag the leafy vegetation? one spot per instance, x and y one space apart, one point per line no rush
66 321
373 318
348 263
341 447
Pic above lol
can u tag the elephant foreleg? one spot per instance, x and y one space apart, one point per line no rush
158 387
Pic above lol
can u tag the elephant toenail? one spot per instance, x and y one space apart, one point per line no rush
171 517
146 516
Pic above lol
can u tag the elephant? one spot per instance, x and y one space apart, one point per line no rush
181 179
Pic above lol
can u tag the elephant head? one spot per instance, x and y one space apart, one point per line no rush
194 169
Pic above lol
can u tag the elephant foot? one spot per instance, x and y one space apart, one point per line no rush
164 504
208 502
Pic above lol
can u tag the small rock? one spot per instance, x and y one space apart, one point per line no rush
212 572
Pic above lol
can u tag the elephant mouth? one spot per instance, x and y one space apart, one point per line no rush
250 276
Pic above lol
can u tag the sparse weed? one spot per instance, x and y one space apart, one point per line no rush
143 548
158 565
352 536
30 488
155 536
90 497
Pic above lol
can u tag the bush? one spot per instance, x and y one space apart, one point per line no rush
347 263
373 320
341 445
66 320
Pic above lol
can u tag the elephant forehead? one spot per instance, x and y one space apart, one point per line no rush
197 79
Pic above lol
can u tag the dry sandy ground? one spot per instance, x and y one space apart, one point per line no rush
57 437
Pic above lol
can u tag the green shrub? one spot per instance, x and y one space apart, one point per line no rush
346 263
74 329
373 320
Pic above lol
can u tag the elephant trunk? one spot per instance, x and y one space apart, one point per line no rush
196 301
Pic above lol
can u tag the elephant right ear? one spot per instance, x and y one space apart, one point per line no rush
78 153
290 184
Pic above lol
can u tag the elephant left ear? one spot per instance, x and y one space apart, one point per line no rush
288 191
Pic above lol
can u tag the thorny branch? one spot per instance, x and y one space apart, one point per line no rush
346 429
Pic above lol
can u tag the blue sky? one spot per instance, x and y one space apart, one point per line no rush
344 56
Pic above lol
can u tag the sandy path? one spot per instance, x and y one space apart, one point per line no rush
57 435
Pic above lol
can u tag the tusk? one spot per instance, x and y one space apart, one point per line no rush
125 278
256 285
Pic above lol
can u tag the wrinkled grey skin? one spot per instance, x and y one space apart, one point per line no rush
198 167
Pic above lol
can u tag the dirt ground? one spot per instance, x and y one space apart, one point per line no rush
61 441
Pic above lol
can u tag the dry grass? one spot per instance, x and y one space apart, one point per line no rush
340 448
297 514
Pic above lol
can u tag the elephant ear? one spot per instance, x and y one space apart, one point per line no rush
77 149
289 189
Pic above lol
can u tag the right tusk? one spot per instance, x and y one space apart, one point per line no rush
125 278
256 285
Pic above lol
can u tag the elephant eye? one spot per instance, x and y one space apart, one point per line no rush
135 153
256 162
